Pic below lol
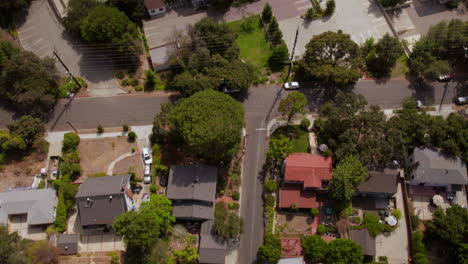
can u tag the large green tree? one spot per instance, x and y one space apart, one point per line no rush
279 148
10 247
450 227
270 250
226 224
209 123
140 230
77 10
332 59
9 8
108 25
28 82
346 176
27 127
315 248
218 38
344 251
387 50
134 9
294 103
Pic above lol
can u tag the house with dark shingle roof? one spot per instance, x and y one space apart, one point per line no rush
192 189
38 205
67 244
362 237
379 184
430 167
212 249
304 175
101 199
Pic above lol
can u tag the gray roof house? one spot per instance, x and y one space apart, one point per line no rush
362 237
101 199
38 205
433 168
379 184
67 244
192 189
212 249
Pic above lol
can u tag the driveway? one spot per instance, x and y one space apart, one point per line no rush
41 33
360 18
395 246
425 13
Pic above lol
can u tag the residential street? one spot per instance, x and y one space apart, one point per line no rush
140 110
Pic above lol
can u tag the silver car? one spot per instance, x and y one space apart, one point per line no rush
291 85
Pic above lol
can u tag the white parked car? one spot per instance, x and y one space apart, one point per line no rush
147 174
147 156
291 85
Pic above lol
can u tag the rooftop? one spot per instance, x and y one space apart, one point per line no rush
102 186
212 249
293 194
154 4
307 168
380 182
433 167
39 205
362 237
192 182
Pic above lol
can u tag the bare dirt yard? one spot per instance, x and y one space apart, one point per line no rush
18 174
133 163
86 258
293 223
97 154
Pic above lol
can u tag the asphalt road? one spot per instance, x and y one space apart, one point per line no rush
259 109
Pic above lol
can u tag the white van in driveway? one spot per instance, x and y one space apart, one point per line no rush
147 174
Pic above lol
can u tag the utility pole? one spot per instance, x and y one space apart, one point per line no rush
292 53
66 68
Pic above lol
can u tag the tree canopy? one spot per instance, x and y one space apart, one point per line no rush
27 127
108 25
381 57
134 9
294 103
227 224
315 248
279 149
140 230
332 59
450 227
209 123
77 10
271 248
28 82
344 251
10 8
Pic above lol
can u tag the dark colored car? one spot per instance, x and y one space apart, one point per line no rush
445 77
461 100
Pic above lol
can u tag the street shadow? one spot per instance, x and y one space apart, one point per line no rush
422 90
426 8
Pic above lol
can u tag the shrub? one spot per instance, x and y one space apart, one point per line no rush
310 13
234 206
120 75
278 57
347 211
138 88
235 195
374 227
270 251
131 136
397 214
321 229
100 129
318 7
235 179
383 259
327 153
133 150
125 128
271 186
61 215
305 123
318 123
70 142
41 185
270 200
153 188
249 24
451 4
314 212
419 250
330 7
356 220
129 82
415 222
267 13
97 174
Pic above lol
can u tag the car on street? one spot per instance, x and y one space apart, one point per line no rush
147 174
461 100
444 77
291 85
147 156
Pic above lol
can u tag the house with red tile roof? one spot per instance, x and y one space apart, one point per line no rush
304 175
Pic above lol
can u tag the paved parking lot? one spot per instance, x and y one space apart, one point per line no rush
360 18
41 33
18 223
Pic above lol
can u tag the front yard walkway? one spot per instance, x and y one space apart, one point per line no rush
395 246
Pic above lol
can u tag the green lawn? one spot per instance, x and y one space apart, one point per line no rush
401 67
299 137
252 41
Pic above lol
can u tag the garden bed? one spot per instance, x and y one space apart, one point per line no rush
299 137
